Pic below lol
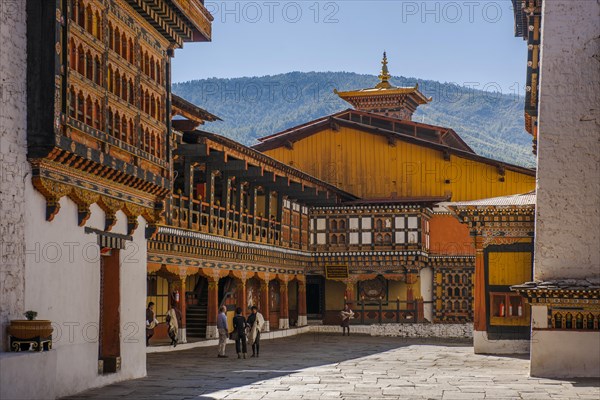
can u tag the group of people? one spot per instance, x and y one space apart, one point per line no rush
172 319
244 331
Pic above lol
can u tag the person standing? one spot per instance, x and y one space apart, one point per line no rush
347 314
151 322
239 332
256 321
173 325
223 331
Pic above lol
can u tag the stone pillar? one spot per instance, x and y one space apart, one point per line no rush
284 321
302 319
213 305
264 303
568 188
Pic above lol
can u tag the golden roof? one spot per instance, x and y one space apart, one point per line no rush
384 88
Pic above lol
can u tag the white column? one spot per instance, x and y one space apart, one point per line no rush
426 280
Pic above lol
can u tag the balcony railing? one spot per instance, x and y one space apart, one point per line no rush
398 311
200 216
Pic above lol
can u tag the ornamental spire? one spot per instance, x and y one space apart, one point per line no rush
384 76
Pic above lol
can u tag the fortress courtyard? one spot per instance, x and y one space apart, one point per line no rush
325 366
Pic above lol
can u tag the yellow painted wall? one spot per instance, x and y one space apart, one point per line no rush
366 165
161 300
509 268
417 288
334 295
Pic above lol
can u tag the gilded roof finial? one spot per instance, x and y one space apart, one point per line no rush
384 76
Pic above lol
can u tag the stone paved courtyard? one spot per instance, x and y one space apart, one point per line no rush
318 366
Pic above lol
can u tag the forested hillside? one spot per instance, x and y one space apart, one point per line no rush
251 107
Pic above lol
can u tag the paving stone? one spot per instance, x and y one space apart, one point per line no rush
310 367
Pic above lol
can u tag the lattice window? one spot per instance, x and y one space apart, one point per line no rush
131 53
80 107
80 60
97 71
453 294
97 26
97 116
89 111
111 36
81 14
89 20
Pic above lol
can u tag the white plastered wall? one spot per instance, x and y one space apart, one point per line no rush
13 162
62 283
483 345
568 180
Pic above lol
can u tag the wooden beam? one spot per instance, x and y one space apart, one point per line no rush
190 150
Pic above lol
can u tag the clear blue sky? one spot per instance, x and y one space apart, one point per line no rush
449 41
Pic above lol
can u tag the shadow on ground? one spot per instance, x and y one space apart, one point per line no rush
192 373
199 374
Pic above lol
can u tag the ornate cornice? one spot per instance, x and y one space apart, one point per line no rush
84 197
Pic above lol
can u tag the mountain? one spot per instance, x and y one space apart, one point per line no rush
251 107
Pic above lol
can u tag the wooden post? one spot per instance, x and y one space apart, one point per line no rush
284 322
420 312
213 305
279 217
189 178
479 318
397 309
350 294
240 205
302 318
264 302
243 301
362 312
380 311
183 309
226 202
211 199
268 202
253 195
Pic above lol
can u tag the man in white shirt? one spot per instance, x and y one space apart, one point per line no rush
256 322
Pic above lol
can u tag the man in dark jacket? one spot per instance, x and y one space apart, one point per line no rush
239 330
150 322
